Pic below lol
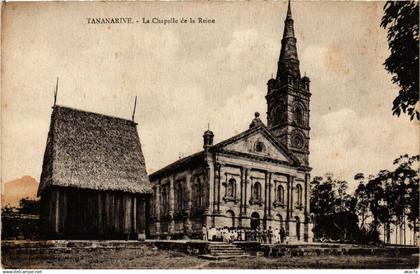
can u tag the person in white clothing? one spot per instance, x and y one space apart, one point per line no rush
205 235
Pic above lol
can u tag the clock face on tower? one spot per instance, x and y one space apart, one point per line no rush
297 140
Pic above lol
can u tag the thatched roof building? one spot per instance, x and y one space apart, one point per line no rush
93 162
93 151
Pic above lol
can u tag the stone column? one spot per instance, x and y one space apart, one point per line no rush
157 209
171 204
219 178
215 186
270 175
241 206
292 223
208 194
246 192
306 230
265 200
188 202
288 205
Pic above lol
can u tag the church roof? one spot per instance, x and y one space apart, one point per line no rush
180 164
93 151
198 157
267 133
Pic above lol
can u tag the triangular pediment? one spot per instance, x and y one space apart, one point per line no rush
258 142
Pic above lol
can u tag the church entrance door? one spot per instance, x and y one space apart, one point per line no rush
255 220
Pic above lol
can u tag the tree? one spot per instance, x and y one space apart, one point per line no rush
375 193
401 18
406 174
362 201
28 206
333 210
384 213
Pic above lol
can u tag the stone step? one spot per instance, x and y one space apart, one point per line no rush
239 251
227 250
225 247
221 257
228 254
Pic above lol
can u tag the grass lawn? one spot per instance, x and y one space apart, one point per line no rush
152 258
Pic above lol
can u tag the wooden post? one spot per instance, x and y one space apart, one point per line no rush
57 211
135 231
100 212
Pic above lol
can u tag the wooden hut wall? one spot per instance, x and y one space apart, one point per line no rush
76 213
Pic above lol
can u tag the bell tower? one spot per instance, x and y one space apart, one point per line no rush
288 97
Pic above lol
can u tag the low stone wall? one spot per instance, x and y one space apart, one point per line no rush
66 244
202 247
187 246
336 250
191 247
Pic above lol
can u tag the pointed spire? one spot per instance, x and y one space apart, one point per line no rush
288 64
288 23
289 12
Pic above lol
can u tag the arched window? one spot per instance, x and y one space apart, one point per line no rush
165 199
256 193
299 195
230 188
280 194
179 196
199 193
194 190
299 115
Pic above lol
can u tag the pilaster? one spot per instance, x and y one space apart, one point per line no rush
171 204
188 198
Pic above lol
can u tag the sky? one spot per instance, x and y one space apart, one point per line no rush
189 76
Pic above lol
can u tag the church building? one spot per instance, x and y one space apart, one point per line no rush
258 178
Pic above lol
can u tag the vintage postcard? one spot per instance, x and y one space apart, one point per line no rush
225 134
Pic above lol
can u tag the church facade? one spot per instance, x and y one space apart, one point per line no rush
258 178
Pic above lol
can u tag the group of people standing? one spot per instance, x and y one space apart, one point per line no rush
230 234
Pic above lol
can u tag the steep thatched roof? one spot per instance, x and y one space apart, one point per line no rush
93 151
